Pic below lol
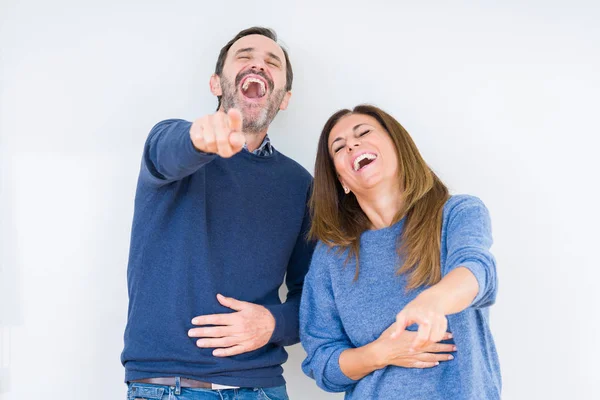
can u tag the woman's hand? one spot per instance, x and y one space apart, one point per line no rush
395 350
454 293
356 363
426 311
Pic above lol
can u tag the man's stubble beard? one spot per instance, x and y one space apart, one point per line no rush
252 125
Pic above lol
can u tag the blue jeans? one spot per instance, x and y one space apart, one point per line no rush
146 391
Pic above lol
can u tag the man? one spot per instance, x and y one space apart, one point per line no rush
220 218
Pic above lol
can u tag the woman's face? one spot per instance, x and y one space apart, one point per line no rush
363 153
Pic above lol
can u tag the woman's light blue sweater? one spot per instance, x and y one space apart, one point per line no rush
338 313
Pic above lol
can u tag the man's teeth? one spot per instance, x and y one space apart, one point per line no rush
248 81
367 156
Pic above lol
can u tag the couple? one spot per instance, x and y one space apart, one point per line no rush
395 303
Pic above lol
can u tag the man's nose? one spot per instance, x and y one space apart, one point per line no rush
258 64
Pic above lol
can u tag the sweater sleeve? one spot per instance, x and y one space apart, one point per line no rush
321 330
468 242
169 154
286 315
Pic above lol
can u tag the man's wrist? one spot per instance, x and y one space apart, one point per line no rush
275 317
271 322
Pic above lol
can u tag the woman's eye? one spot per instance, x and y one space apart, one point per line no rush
338 149
365 132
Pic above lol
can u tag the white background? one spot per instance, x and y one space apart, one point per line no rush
501 98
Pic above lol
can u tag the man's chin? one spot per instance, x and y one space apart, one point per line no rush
252 111
253 104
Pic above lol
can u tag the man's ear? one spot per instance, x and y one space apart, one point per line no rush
215 85
286 100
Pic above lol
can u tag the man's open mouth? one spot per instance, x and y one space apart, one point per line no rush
253 87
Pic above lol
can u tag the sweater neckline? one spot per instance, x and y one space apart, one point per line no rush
382 233
257 158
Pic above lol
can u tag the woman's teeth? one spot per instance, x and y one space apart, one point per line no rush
365 156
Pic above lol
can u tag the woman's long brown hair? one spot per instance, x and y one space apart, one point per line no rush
338 220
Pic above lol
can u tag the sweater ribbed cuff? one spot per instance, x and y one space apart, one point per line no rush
333 373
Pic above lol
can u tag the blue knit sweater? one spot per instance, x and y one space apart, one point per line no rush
205 225
338 313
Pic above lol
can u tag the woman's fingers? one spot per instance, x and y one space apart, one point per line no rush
401 323
439 329
440 348
423 364
423 334
422 360
432 329
433 357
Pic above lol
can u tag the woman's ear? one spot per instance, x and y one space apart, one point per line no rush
346 188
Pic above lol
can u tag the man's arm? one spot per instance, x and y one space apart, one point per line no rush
176 148
286 315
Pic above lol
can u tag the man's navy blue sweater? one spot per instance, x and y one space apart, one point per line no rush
205 225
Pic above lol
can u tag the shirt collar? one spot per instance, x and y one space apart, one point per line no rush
265 149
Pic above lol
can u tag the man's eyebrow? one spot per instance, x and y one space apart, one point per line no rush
244 50
251 49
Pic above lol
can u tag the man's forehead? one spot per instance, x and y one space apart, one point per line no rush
258 43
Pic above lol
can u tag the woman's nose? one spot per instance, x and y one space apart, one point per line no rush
353 145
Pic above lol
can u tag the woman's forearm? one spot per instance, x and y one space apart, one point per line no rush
360 362
455 292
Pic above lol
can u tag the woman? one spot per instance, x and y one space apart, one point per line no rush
401 268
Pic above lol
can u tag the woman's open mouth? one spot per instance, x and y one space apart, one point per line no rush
362 160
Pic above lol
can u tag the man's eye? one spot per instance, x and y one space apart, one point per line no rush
243 58
272 64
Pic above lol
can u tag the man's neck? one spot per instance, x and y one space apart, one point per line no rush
254 140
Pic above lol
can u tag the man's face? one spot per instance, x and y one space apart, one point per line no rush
253 81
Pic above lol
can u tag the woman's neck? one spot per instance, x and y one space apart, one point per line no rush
381 205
